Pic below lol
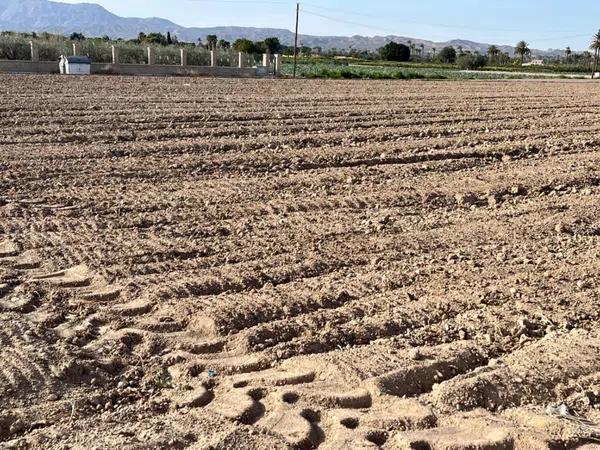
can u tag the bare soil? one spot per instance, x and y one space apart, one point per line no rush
235 264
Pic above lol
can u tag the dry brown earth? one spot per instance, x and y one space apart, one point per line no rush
227 264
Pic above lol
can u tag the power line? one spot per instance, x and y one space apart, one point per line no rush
389 30
434 25
556 38
252 2
323 16
336 10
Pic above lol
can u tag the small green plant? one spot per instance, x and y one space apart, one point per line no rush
161 381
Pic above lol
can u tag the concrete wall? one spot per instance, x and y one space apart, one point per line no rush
28 67
132 69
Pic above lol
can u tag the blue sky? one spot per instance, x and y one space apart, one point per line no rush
542 23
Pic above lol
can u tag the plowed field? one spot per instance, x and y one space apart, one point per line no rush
228 264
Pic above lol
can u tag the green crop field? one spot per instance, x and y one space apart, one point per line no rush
336 70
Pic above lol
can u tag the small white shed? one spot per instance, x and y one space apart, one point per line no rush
75 65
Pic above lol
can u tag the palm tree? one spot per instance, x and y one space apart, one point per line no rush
595 45
212 40
412 47
568 53
522 49
586 57
493 52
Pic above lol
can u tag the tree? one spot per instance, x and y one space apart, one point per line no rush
260 47
395 52
152 38
586 58
503 58
169 40
244 46
470 61
522 49
568 53
422 50
595 45
273 45
225 45
211 41
493 53
77 37
412 47
447 55
305 50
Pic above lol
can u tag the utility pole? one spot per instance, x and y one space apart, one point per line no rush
296 38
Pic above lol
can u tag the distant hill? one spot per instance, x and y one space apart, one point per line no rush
94 20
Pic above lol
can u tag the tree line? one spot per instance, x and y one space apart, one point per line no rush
390 52
466 59
212 42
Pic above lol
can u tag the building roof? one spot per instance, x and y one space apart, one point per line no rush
78 60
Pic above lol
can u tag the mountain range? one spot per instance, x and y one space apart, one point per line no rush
94 20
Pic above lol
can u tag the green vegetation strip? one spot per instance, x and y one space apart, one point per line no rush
376 72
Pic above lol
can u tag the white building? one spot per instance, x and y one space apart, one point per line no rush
535 62
75 65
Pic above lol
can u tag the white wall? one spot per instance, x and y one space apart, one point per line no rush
78 69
